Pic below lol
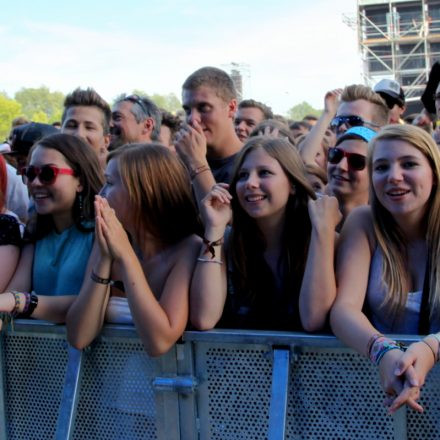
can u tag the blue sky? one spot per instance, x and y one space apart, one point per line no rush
293 50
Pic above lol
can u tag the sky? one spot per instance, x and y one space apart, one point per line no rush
291 50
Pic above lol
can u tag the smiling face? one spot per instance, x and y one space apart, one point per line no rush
86 122
124 128
344 181
58 198
246 119
211 112
402 179
263 187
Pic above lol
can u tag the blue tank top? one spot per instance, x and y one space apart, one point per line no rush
60 261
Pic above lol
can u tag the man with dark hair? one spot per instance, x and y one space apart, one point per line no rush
298 128
249 114
208 142
393 95
310 119
87 115
134 119
169 126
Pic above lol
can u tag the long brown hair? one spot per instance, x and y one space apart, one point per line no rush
159 191
247 243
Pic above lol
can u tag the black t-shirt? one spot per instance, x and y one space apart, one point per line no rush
222 168
9 230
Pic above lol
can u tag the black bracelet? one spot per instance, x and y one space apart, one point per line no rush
33 303
99 280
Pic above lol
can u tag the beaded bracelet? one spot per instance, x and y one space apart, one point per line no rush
381 346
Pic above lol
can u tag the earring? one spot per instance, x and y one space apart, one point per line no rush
80 208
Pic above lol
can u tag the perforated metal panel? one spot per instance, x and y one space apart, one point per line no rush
234 395
116 399
34 378
426 426
336 394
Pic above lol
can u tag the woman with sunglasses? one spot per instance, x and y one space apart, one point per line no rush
274 268
63 175
388 265
347 172
10 237
144 280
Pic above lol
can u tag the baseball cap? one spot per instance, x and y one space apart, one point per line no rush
363 133
24 136
390 88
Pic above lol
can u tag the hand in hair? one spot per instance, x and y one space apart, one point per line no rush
112 237
216 210
190 143
413 366
268 131
331 101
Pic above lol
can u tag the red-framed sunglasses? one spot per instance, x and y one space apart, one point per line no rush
47 174
355 161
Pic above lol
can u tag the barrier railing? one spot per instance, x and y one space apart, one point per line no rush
213 385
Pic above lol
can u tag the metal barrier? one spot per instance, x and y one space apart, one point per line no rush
226 385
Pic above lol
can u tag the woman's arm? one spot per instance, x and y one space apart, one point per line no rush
86 315
9 257
160 322
318 289
347 320
209 283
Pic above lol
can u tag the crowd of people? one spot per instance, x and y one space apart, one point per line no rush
230 216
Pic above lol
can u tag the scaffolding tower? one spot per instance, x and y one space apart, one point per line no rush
400 40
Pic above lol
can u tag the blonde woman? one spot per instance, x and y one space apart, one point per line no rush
388 260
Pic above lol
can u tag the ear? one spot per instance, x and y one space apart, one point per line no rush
106 140
148 126
232 108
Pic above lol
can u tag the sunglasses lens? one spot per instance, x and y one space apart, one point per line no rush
335 155
355 121
47 175
29 174
356 162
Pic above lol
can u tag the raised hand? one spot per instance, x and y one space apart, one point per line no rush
113 239
324 213
190 143
216 209
331 101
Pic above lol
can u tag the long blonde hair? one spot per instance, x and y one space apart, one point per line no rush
390 238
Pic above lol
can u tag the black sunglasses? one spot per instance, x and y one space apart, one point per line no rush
350 121
135 99
47 174
355 161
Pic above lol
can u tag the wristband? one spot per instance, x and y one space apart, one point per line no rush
99 280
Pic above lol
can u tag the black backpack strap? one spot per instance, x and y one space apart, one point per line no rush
424 321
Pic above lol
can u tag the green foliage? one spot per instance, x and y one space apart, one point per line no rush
169 102
9 109
38 101
298 111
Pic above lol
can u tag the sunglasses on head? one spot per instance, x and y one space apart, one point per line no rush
350 121
135 99
355 161
46 174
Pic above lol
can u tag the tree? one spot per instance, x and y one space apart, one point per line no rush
169 102
36 101
298 111
9 109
